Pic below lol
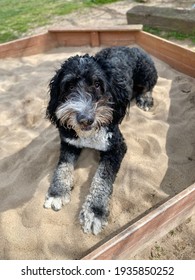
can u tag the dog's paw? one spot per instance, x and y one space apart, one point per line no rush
93 220
144 103
56 203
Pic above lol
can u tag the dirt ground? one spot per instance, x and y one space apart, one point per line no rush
180 242
110 15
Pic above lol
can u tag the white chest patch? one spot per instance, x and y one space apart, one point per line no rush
99 141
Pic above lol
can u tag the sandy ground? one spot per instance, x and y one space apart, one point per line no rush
159 162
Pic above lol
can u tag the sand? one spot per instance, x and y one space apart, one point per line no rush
159 163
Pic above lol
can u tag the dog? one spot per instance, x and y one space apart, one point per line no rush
89 97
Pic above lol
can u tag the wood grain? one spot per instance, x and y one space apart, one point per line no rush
178 57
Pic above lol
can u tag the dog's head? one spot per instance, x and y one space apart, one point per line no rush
79 96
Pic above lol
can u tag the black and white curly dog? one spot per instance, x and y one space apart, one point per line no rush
89 97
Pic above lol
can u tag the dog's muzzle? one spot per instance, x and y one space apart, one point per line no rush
81 113
85 121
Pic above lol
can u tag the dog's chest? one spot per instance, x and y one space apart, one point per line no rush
99 141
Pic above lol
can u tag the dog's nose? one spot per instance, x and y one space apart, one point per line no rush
85 120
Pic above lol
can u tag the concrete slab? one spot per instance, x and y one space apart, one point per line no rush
168 19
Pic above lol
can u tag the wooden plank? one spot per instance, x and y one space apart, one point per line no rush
147 229
178 57
122 28
71 39
27 46
95 39
118 36
168 47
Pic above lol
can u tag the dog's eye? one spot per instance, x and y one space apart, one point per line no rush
71 86
97 84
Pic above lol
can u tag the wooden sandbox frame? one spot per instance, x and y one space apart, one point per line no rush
156 223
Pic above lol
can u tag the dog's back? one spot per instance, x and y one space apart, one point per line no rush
132 70
141 67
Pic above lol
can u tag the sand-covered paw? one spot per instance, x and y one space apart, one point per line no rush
56 203
92 222
145 102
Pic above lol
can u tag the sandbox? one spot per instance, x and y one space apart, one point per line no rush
154 190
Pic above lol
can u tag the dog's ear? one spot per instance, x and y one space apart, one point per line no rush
54 91
119 88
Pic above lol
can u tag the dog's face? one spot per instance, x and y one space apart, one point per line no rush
79 97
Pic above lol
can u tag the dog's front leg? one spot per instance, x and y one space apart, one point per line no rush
62 183
95 210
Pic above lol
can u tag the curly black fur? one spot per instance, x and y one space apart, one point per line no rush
89 97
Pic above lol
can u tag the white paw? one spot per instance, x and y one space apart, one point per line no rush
90 222
56 203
